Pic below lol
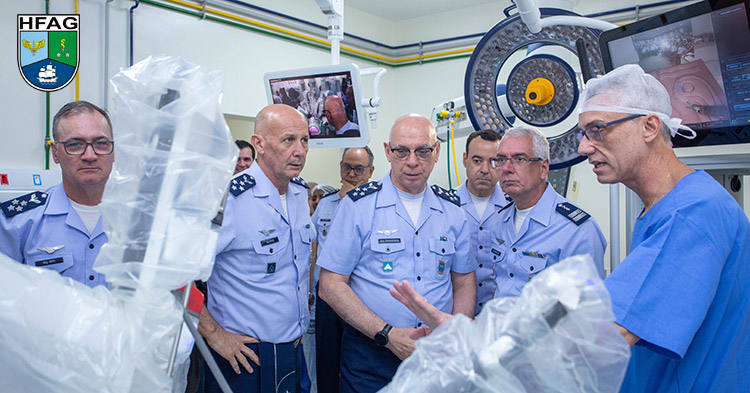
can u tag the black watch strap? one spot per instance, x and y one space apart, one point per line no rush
381 337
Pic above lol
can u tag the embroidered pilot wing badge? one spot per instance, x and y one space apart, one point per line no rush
365 189
241 184
387 232
23 203
49 250
448 195
267 232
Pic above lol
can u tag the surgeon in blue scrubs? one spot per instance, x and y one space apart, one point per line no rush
681 297
61 228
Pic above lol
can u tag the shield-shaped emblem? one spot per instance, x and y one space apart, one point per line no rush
48 50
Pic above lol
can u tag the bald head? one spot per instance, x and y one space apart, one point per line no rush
412 150
335 111
280 141
274 116
413 123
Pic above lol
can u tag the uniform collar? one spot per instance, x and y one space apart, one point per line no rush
497 198
388 196
264 186
57 202
542 211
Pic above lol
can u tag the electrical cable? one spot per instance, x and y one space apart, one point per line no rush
455 163
448 156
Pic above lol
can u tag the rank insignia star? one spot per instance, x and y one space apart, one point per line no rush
365 189
241 183
23 203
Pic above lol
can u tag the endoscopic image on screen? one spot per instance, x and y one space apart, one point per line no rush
326 100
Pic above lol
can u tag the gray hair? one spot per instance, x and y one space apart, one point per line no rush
539 143
370 156
76 108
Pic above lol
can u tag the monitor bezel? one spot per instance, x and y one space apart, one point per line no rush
312 72
664 19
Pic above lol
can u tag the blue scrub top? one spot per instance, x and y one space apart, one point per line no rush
481 240
50 234
259 284
377 243
546 237
684 289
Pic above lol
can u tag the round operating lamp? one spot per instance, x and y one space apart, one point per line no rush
542 78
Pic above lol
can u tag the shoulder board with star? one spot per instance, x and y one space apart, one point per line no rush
365 189
300 181
336 191
572 212
241 183
448 195
23 203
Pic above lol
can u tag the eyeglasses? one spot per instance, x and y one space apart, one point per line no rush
422 153
594 133
78 148
358 170
514 161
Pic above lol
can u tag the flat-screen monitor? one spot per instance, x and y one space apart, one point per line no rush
330 97
701 54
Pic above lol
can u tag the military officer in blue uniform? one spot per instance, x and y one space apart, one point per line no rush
257 294
398 228
481 199
356 168
540 227
61 228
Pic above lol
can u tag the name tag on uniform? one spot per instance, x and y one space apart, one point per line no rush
496 252
325 220
269 241
271 268
389 240
48 262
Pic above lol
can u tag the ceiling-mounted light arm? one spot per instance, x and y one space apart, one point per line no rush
372 104
334 9
528 10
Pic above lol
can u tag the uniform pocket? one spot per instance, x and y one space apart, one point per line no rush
441 252
386 249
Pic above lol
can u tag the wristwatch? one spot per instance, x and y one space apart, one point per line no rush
381 337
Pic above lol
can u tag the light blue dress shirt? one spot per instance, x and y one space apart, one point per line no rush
377 243
684 289
51 235
322 218
546 237
481 236
259 284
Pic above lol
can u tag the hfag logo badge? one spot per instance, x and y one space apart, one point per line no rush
48 50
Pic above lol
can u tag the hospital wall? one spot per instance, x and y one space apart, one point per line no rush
245 56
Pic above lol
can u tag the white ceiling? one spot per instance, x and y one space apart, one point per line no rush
398 10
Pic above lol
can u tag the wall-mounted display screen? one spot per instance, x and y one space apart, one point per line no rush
701 54
329 97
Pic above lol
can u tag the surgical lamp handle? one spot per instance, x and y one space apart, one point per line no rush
583 60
